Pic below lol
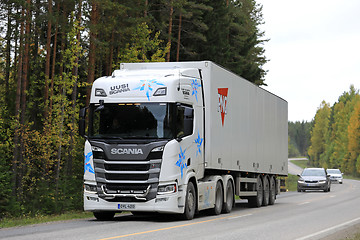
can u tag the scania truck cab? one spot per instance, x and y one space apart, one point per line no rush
144 141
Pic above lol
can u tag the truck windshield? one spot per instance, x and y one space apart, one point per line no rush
135 121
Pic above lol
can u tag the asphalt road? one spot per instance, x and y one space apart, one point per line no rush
309 215
294 169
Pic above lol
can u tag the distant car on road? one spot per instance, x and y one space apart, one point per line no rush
335 175
313 179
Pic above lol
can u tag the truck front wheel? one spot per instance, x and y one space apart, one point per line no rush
190 202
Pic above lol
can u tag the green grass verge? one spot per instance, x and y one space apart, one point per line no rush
355 237
301 163
27 220
291 182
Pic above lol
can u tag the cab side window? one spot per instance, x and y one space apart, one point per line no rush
184 120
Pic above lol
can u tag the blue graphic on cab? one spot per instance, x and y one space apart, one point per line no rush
88 166
181 162
195 85
198 142
148 86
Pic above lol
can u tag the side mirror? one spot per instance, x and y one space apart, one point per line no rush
82 115
299 175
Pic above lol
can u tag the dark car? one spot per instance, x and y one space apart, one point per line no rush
314 179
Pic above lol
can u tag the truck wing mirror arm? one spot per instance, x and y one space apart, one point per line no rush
82 115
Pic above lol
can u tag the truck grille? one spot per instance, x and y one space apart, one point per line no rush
127 178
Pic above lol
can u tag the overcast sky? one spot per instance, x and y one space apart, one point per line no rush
314 51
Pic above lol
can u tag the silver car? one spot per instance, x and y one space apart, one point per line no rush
335 175
313 179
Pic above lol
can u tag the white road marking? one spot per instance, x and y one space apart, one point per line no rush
311 236
246 215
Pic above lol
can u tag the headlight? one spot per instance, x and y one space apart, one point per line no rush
165 189
322 181
90 188
158 149
301 181
98 152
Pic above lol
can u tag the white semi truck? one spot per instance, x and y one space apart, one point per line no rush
179 138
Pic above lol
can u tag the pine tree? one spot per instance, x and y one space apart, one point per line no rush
144 47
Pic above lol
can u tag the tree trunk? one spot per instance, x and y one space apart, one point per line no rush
51 92
8 55
17 152
146 8
92 57
26 63
24 87
170 29
47 63
179 37
111 54
73 97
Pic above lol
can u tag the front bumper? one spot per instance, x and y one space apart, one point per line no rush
164 203
339 180
312 186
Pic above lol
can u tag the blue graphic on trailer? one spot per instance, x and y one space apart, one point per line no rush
195 85
181 162
198 142
147 86
88 166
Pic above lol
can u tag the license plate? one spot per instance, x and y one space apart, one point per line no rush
126 206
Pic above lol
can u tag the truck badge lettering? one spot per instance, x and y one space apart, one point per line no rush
185 92
121 151
119 89
222 93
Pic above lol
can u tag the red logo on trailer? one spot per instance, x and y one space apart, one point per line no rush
222 93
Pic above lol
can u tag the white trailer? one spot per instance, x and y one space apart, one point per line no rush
181 137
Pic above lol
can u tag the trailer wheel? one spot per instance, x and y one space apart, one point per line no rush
266 196
219 199
104 216
228 205
258 200
272 195
190 202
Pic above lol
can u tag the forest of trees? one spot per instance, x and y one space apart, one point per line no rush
335 136
299 138
51 52
332 138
